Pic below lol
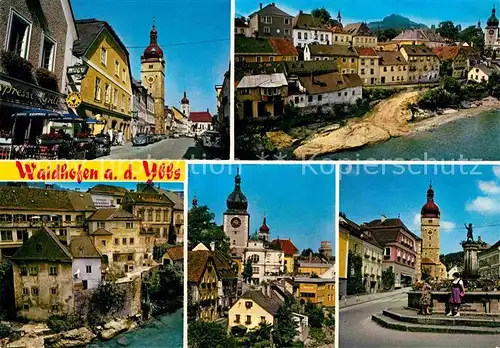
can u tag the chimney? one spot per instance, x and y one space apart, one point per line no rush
310 257
300 12
212 246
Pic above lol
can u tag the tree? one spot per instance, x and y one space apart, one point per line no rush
260 336
354 277
203 229
324 16
474 37
248 271
387 34
448 30
202 333
307 252
451 85
388 278
164 289
316 316
285 328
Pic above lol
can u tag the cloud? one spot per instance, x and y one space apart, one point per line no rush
489 187
484 206
496 170
416 221
447 225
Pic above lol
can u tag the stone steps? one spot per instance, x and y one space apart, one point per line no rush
396 321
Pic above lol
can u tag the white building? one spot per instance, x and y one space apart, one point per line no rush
368 67
201 122
482 72
86 263
489 262
308 29
326 89
267 262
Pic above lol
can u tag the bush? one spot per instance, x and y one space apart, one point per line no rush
107 299
372 94
16 66
5 330
60 323
388 278
47 79
437 98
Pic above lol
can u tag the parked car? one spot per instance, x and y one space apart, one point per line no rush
140 140
177 135
150 138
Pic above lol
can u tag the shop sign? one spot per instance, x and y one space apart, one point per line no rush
29 96
74 99
80 69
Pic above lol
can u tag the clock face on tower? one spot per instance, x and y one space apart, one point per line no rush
491 32
430 232
150 79
235 222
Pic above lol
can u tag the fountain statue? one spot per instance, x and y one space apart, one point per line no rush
471 267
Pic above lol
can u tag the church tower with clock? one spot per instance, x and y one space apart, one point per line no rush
237 219
491 37
153 77
430 219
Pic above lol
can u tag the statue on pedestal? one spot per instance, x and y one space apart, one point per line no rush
470 236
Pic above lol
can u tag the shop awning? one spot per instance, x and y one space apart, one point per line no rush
93 121
70 118
34 113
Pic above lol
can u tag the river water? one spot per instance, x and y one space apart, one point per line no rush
475 138
164 332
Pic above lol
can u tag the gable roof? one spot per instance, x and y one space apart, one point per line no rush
283 47
83 248
223 265
310 66
358 29
197 262
269 304
366 51
175 253
203 116
308 22
270 9
391 225
418 50
268 80
419 35
252 45
108 189
287 246
101 232
43 245
105 214
328 83
30 198
148 198
388 58
488 70
88 31
332 50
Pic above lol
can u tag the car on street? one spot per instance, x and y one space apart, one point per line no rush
140 140
176 135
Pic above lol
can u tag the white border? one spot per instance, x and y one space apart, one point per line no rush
231 87
337 253
185 283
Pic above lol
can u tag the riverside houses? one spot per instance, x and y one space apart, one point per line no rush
23 210
272 22
368 68
362 36
106 88
423 63
393 67
33 61
259 50
326 89
346 56
308 29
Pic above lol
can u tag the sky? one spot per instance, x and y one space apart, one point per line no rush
194 67
299 204
464 194
464 12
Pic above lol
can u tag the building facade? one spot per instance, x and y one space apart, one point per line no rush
272 22
153 77
423 63
201 122
362 36
107 196
318 291
368 68
144 110
489 262
393 68
254 308
346 56
308 29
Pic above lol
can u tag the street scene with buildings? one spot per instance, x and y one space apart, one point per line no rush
315 81
261 259
78 81
419 250
86 262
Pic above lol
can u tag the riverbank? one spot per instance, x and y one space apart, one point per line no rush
389 119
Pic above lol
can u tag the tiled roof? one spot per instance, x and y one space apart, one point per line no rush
251 45
308 22
328 83
270 9
358 29
287 246
223 266
269 304
107 189
418 50
203 116
82 247
88 31
242 69
176 253
388 58
310 66
197 262
112 214
172 196
390 224
332 50
102 232
269 80
240 22
43 245
283 47
27 198
366 51
411 35
148 198
337 29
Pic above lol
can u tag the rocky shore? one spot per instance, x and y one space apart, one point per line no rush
390 118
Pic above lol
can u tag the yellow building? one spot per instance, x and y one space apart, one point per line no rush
291 253
393 68
310 268
106 88
318 291
340 37
346 56
343 242
203 285
362 36
23 210
254 308
423 63
153 77
118 236
261 96
372 261
43 277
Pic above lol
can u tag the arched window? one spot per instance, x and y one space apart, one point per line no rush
254 258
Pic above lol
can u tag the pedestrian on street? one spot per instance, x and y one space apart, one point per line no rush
457 292
426 298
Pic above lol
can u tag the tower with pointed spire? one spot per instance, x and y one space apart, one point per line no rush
185 107
430 222
153 76
491 37
264 231
339 18
237 219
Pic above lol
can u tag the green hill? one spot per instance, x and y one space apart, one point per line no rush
397 22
